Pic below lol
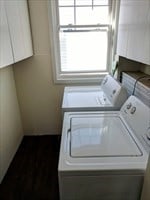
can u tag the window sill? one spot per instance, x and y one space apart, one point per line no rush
80 78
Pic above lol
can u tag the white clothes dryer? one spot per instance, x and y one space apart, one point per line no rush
103 155
110 95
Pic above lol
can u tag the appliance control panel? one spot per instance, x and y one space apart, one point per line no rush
103 100
114 91
137 115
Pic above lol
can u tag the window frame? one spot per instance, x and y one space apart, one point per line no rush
77 77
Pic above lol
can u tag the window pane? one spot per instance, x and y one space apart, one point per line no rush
87 15
101 2
82 2
65 2
66 15
89 2
83 51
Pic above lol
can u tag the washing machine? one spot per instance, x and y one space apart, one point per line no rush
103 155
110 95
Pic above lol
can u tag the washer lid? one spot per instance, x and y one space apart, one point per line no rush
105 136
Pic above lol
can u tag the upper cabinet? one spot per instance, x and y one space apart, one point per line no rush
16 19
6 56
134 30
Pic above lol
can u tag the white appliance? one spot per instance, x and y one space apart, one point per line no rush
110 95
103 155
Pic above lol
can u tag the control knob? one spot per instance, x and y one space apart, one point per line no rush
129 106
148 133
133 109
114 91
105 81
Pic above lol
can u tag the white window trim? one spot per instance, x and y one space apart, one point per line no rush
91 77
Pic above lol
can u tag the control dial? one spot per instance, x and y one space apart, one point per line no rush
133 109
105 81
114 91
129 106
148 133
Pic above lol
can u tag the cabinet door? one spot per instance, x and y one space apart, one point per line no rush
18 20
6 56
139 32
124 20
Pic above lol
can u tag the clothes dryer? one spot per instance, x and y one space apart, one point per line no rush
110 95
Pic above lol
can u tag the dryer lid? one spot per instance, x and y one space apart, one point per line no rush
105 136
85 97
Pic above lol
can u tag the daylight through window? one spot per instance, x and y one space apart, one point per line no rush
82 34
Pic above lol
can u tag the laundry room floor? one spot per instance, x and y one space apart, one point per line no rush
33 171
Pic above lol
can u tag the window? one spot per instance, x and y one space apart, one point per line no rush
81 39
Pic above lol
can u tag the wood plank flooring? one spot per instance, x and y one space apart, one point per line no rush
32 174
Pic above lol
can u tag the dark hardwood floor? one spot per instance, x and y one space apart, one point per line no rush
32 174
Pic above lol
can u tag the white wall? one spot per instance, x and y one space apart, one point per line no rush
11 131
39 98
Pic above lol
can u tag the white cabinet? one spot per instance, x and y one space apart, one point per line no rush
6 56
123 29
18 32
18 20
134 30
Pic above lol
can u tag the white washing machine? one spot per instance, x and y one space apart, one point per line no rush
103 155
110 95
